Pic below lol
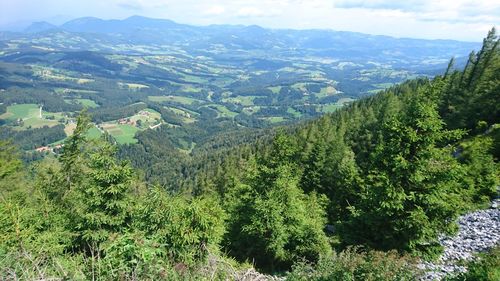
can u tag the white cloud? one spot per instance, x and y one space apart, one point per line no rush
214 11
431 10
455 19
256 12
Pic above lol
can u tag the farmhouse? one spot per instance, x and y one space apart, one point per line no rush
125 121
43 149
144 113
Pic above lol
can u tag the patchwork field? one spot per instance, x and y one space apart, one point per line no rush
123 133
222 111
132 86
330 108
242 100
326 91
201 86
25 116
187 116
94 133
87 103
148 117
124 130
274 119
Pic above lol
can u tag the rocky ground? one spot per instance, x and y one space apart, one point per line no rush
478 232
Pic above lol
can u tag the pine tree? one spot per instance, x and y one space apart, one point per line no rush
411 186
72 157
281 223
9 160
104 195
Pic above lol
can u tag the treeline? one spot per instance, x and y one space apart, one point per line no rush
32 138
166 114
50 101
100 115
63 220
164 154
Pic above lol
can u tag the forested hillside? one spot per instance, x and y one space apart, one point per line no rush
386 174
191 83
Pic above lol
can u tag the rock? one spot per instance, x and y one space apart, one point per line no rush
478 232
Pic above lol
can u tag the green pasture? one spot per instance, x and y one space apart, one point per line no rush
123 133
243 100
179 99
30 116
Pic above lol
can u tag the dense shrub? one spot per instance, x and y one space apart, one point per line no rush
352 264
186 229
486 268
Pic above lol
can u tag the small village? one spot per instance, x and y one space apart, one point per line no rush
142 120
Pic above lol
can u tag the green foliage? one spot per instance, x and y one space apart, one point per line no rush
395 168
24 265
350 265
103 196
72 156
472 95
277 222
388 172
482 174
30 139
9 159
410 183
76 220
132 255
485 268
187 229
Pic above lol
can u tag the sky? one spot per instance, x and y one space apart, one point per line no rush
465 20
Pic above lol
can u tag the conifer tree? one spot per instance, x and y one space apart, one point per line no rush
411 186
282 223
72 157
9 160
104 195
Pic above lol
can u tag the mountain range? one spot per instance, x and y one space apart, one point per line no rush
329 43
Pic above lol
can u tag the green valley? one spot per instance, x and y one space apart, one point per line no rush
145 149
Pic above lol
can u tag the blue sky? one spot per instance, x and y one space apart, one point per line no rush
434 19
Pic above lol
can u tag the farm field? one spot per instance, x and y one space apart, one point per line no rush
123 133
94 133
223 111
87 103
28 116
275 119
148 117
187 116
330 108
21 111
198 88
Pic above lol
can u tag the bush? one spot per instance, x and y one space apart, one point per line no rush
186 228
133 255
25 265
352 264
486 268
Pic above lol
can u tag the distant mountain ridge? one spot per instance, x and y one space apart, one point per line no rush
40 26
138 30
96 25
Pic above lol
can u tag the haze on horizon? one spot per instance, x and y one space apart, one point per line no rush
464 20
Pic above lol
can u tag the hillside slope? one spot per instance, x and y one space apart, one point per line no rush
362 193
